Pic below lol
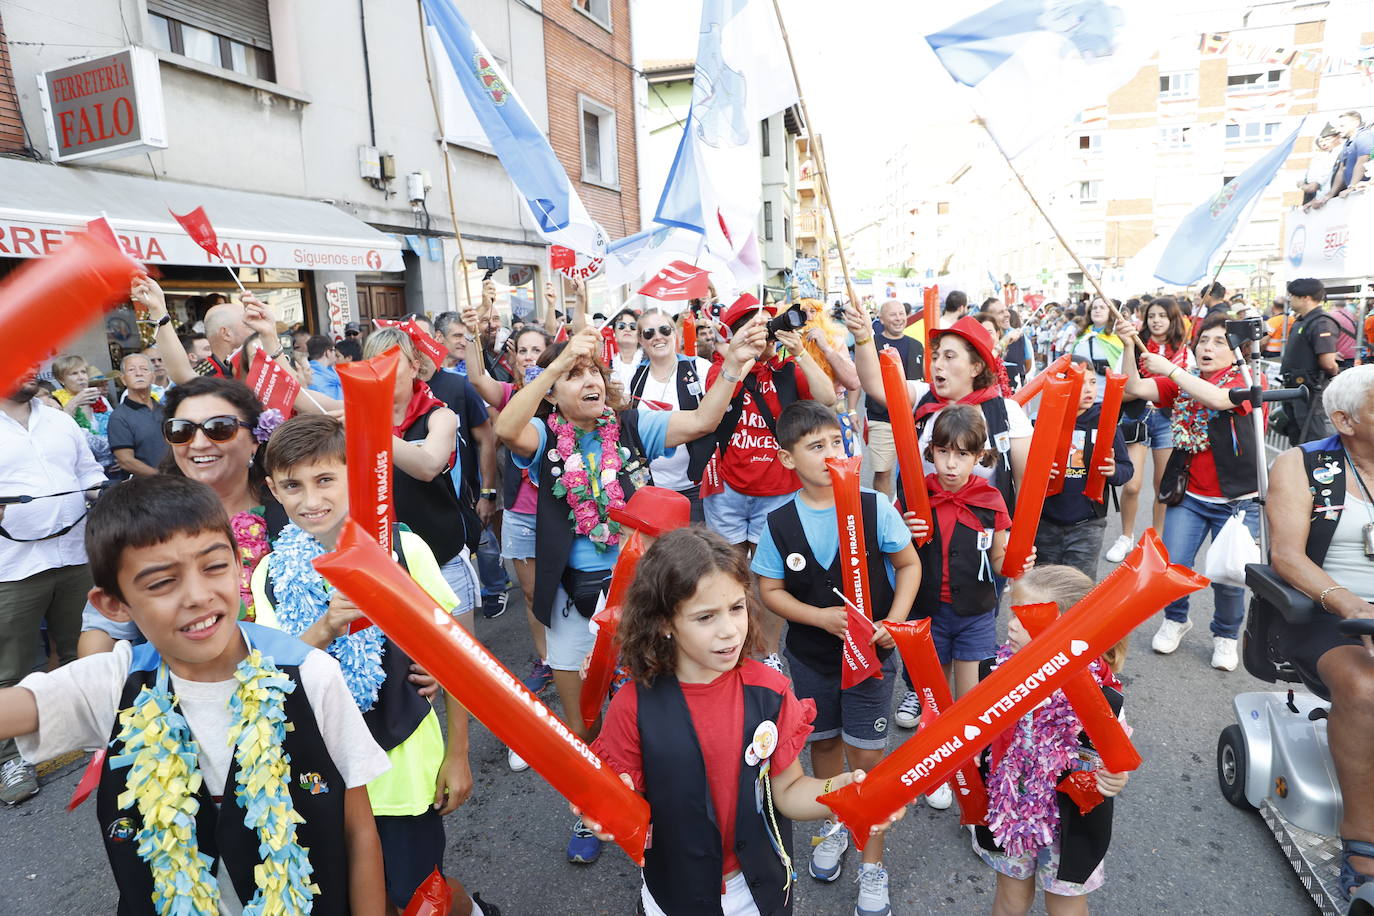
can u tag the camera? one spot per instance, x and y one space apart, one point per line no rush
837 311
790 320
491 264
1244 330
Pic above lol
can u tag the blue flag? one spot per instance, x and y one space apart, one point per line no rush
1202 232
518 142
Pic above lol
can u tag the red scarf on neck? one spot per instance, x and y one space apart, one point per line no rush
422 401
975 397
976 493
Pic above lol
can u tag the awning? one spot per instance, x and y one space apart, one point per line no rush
42 204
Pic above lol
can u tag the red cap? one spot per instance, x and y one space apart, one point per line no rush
654 511
744 307
977 336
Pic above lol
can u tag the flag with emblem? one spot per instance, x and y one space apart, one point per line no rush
460 58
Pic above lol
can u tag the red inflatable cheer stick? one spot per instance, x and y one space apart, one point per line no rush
918 654
1139 587
1026 392
1094 712
1076 375
1035 482
368 390
1096 481
860 655
689 333
48 301
905 439
439 644
930 307
601 666
434 897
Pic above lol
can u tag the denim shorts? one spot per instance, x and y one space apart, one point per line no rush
569 635
1160 432
739 518
462 578
857 715
963 639
517 535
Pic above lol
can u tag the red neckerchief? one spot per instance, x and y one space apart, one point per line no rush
422 401
977 493
975 397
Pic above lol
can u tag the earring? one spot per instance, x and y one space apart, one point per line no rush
668 635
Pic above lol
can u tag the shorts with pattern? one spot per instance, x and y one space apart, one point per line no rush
1043 867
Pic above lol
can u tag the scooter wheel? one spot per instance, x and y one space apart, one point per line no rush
1233 763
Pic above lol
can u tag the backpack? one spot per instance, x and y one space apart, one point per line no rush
1345 341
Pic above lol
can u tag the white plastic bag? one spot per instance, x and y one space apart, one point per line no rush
1231 549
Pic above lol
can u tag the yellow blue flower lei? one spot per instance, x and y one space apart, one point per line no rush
164 777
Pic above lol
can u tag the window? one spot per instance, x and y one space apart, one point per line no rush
599 11
764 137
1089 244
787 230
598 143
243 47
1178 85
1255 132
768 221
1250 81
1090 143
1088 191
1176 137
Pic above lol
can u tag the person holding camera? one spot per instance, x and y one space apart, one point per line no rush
1309 358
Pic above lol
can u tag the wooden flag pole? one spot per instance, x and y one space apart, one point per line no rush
819 156
448 165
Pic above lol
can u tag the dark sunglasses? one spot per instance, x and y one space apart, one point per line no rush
624 326
216 429
648 333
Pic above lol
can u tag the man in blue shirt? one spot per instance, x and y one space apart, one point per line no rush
323 356
1352 163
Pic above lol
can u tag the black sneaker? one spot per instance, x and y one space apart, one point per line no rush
494 606
488 909
539 679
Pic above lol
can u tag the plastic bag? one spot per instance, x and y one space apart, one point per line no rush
1232 548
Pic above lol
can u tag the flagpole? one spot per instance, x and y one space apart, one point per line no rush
819 154
443 150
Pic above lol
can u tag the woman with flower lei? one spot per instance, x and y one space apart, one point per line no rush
1049 799
1213 462
587 456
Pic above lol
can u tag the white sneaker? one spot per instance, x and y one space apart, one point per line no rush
909 712
1120 547
516 762
774 661
872 891
1225 655
1169 635
827 854
941 798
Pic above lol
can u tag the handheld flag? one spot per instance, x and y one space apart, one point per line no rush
679 280
197 226
272 385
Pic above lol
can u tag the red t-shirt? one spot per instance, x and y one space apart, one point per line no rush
750 464
1202 470
717 711
946 516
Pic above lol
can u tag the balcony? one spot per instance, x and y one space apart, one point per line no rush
810 225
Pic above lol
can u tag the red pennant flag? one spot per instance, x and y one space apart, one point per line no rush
100 228
679 280
197 226
560 257
562 335
90 778
423 342
274 387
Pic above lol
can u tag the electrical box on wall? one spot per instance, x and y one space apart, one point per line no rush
369 163
388 167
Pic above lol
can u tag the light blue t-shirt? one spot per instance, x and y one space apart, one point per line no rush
823 536
653 430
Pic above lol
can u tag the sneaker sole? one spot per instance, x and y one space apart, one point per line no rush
904 724
19 801
883 912
578 860
828 879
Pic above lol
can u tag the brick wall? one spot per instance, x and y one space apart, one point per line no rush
582 57
11 122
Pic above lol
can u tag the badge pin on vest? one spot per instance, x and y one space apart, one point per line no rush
796 562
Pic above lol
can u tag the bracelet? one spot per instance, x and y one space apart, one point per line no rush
1170 376
277 355
1321 599
732 379
164 320
860 343
825 789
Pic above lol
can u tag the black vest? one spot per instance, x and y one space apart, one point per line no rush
699 451
970 596
220 831
553 529
1231 440
431 508
683 864
913 362
812 584
1299 364
1328 494
995 415
399 709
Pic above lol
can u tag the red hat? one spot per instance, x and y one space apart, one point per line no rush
977 336
744 307
654 511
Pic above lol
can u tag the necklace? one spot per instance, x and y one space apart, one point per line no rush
589 498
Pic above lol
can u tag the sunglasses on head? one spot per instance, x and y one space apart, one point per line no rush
648 333
624 326
216 429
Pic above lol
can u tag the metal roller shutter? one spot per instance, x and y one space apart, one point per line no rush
242 20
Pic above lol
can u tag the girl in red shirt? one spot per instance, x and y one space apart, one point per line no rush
708 735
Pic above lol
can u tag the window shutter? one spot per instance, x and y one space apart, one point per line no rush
242 20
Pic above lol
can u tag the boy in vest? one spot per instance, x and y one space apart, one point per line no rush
305 464
798 566
237 764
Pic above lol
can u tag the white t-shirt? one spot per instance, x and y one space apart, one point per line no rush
622 371
78 704
670 471
1018 427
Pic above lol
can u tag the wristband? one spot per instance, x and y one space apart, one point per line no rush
825 789
277 355
732 379
164 320
1170 376
860 343
488 494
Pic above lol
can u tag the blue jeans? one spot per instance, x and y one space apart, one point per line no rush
489 566
1185 527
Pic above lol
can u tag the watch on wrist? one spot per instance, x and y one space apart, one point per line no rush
488 494
164 320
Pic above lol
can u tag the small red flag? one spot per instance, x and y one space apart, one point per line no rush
610 349
423 342
100 228
562 335
679 280
560 257
197 226
274 387
90 778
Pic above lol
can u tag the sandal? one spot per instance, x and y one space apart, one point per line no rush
1350 878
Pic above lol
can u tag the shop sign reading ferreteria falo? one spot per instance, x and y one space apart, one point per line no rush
105 107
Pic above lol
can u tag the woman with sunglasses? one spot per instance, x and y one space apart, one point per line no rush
626 327
672 381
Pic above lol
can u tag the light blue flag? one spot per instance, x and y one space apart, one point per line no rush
517 140
1204 230
977 45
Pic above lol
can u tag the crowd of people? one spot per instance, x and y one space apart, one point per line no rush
170 551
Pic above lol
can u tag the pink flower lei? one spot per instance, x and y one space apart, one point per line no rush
250 536
589 506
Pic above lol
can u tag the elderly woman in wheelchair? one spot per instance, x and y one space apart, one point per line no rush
1312 612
